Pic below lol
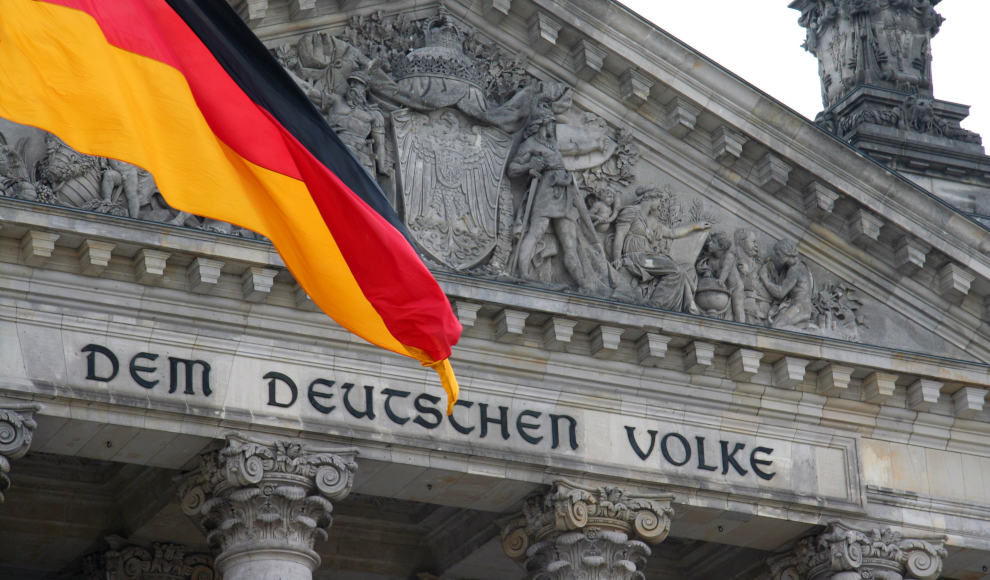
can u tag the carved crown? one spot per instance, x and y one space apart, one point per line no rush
442 54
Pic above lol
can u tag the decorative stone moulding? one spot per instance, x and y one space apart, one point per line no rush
681 117
819 200
157 561
17 426
772 173
555 533
846 552
495 10
910 254
634 87
467 312
587 59
727 145
543 30
265 504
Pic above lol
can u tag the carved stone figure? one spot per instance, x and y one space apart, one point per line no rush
720 275
846 552
643 235
577 532
794 290
553 200
750 264
451 184
360 125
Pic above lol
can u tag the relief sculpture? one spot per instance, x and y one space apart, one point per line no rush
496 174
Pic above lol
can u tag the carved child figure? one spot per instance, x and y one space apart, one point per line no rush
604 209
725 263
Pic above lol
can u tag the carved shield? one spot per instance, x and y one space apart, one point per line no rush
450 172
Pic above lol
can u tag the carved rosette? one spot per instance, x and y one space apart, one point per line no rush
582 532
17 426
269 501
160 561
845 552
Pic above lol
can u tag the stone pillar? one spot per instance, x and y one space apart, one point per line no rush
845 552
264 505
581 532
158 561
16 429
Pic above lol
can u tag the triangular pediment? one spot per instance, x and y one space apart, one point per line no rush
638 117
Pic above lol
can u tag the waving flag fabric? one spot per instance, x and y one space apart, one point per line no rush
184 89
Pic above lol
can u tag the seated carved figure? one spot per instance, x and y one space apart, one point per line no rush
640 240
794 290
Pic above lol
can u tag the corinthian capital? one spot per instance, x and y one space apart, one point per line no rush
573 507
16 430
845 552
265 504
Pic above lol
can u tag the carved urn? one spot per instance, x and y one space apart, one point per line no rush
711 296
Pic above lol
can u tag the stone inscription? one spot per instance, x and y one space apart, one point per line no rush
283 392
677 451
103 365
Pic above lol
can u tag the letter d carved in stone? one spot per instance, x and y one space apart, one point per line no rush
555 533
270 503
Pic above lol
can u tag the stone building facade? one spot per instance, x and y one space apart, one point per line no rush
704 337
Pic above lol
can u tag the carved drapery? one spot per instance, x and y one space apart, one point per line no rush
17 426
157 561
581 532
845 552
264 505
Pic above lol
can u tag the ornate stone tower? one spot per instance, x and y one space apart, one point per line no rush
875 66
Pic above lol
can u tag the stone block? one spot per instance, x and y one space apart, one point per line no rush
682 116
878 387
543 30
300 9
819 200
727 145
772 173
605 341
251 11
37 247
94 257
149 266
509 323
833 379
256 283
968 401
743 364
923 394
953 282
467 312
651 348
910 254
788 372
202 275
303 300
558 330
495 10
634 87
864 228
698 356
586 59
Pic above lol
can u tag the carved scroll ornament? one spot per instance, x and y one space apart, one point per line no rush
845 552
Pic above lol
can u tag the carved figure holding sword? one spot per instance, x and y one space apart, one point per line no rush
553 200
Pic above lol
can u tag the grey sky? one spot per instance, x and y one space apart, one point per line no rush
760 41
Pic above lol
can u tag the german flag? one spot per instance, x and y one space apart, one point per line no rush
184 89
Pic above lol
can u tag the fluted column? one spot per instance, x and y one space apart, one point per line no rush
16 429
264 505
577 532
846 552
157 561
